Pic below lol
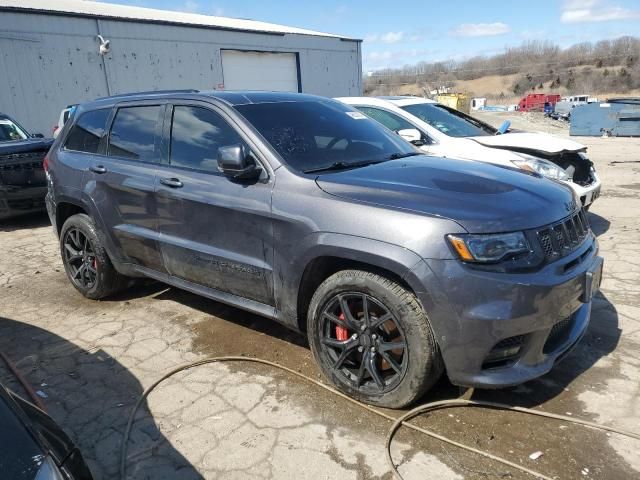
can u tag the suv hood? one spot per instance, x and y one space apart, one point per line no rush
531 143
481 197
28 145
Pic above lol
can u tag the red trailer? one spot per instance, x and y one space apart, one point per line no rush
535 102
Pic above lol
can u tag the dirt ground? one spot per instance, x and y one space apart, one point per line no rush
92 360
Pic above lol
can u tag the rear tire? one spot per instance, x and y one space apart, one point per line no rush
382 351
85 259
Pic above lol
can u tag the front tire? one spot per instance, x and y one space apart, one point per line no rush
85 259
372 339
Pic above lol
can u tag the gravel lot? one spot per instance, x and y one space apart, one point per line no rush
93 359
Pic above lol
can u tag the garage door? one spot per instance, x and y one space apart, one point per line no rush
260 71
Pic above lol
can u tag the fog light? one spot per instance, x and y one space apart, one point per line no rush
504 351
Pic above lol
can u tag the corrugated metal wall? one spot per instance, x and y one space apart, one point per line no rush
49 61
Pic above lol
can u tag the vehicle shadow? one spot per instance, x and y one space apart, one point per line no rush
601 338
599 225
231 331
34 220
90 395
234 316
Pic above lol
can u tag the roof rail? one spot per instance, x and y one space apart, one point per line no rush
150 92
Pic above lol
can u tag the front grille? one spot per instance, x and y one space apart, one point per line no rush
20 162
26 204
21 167
558 335
562 238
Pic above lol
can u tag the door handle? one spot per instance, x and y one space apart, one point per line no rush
98 169
171 182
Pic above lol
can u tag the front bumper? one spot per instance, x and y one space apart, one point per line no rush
21 201
474 312
589 193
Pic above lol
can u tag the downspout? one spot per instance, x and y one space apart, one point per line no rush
104 63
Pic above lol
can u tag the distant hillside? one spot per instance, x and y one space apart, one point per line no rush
605 68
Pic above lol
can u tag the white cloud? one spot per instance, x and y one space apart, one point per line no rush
576 11
391 37
377 56
533 34
481 29
377 60
388 38
190 6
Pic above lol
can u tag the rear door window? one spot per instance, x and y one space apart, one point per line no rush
196 135
134 132
86 134
390 120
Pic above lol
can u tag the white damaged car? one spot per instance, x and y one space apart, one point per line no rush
446 132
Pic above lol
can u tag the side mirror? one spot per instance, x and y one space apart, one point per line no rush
235 162
37 135
412 135
504 127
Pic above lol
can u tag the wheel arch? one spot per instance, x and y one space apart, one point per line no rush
66 209
341 252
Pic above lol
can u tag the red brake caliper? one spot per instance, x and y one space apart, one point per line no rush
342 333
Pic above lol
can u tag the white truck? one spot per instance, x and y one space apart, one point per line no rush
566 104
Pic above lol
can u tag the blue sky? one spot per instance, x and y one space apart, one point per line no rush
409 31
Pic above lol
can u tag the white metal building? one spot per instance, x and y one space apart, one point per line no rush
58 52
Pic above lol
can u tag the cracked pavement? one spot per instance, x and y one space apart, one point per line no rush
92 360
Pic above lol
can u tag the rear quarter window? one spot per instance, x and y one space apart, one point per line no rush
86 134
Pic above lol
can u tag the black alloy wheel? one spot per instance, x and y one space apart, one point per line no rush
372 338
86 261
80 257
364 341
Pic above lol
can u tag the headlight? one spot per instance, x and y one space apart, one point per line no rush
48 471
541 166
488 248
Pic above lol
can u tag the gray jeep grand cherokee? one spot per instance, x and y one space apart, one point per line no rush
397 265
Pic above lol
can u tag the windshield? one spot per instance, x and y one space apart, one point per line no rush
316 135
449 121
10 131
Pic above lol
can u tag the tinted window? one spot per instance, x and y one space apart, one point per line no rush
449 121
196 135
390 120
315 134
133 133
85 135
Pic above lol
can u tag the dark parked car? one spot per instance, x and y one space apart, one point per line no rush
398 266
34 447
22 181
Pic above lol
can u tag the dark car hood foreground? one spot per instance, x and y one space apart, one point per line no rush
481 197
27 435
21 455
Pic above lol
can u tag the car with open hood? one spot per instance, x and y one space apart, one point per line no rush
397 266
443 131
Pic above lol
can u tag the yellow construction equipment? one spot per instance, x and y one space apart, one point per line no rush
459 101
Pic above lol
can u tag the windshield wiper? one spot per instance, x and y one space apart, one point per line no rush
396 156
343 166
